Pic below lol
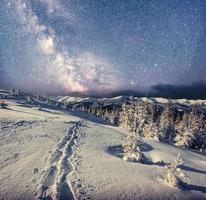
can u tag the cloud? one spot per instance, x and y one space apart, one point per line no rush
196 90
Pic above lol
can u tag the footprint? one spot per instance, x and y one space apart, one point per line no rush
49 177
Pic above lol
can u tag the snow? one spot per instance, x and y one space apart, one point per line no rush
51 153
104 175
28 138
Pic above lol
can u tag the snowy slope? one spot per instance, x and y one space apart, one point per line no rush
102 174
52 154
29 139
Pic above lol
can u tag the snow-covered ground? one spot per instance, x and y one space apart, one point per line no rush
102 174
54 154
31 144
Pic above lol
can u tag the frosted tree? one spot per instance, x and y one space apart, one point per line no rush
185 135
93 111
113 116
131 148
202 141
185 139
151 131
99 112
141 117
135 115
167 130
124 116
196 125
106 114
195 121
131 115
174 176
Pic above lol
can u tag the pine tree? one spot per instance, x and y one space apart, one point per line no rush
167 130
196 125
202 141
173 174
113 117
131 115
195 121
185 135
106 114
141 117
93 111
131 148
151 131
124 116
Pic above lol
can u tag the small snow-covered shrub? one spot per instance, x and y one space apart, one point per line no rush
131 148
174 176
133 156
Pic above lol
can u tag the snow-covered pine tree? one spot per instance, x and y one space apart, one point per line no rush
135 119
106 114
151 131
113 117
130 108
141 117
196 124
131 148
195 120
201 141
93 111
99 112
173 174
185 135
167 130
123 116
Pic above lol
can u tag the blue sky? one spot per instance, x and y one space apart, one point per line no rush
89 46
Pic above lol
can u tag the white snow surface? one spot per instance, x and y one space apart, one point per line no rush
56 154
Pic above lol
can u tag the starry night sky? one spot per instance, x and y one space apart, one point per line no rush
102 46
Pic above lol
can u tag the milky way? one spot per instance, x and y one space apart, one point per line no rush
90 46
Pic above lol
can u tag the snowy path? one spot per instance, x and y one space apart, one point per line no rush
53 184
